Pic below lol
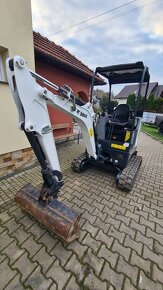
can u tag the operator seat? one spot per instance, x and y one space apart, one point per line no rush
121 115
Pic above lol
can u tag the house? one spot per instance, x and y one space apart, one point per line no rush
51 61
154 88
16 37
61 67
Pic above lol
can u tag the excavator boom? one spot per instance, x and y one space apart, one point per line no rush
31 100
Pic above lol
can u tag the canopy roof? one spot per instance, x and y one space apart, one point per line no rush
124 73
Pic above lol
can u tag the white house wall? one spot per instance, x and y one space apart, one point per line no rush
16 38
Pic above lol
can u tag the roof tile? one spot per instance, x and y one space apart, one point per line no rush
60 54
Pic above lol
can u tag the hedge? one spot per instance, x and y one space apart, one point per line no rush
152 104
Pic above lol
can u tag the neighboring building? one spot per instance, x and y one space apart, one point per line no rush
16 37
154 88
60 67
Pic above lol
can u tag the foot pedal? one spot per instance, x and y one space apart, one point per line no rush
56 216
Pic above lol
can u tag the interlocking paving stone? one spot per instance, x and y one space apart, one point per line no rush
124 219
2 258
18 214
138 227
127 230
108 255
20 235
11 225
156 258
157 274
137 246
13 251
112 221
159 229
76 267
5 240
104 238
58 274
154 235
128 285
53 287
93 261
78 248
120 249
43 259
72 285
61 253
144 240
90 242
7 274
89 228
112 277
2 229
48 241
31 246
100 214
158 249
24 266
92 282
121 238
116 234
15 284
128 270
4 217
147 284
37 231
138 261
37 281
102 225
27 222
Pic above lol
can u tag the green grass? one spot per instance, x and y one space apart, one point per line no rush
153 131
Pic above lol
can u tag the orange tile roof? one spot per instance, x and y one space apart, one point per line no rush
47 48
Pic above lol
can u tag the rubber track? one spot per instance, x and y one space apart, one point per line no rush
128 175
75 164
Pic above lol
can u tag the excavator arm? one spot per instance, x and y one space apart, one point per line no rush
31 100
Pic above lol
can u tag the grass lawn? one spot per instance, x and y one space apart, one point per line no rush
152 131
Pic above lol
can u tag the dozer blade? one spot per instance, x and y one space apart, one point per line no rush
56 216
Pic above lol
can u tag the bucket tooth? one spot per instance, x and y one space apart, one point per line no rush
56 216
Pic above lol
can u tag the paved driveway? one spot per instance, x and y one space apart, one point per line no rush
121 241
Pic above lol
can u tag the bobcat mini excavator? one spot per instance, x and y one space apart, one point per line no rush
110 141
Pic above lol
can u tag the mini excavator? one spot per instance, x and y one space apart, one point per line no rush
110 139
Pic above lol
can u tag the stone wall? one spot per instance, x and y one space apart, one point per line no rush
14 161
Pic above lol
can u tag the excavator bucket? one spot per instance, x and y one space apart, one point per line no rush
56 216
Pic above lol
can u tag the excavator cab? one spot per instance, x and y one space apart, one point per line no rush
117 129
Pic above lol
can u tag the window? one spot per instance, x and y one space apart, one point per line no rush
3 55
1 69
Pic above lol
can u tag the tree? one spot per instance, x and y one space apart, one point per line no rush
131 101
151 104
160 105
103 96
103 102
113 103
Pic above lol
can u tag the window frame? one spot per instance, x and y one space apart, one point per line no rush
4 53
2 75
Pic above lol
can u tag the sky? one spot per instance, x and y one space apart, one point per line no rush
131 33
